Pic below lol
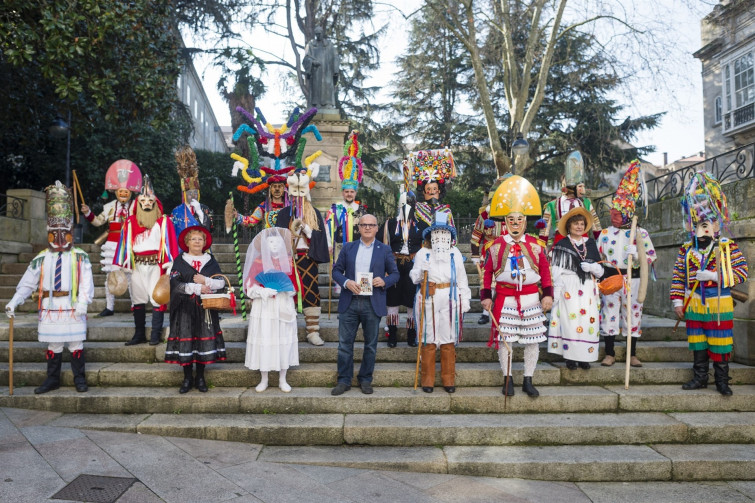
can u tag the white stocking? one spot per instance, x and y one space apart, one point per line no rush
503 357
262 386
282 384
531 354
109 298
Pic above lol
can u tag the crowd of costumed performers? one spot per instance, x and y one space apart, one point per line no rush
442 300
706 268
343 216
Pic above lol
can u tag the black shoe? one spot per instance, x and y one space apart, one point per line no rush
584 365
82 387
157 327
508 388
450 389
366 388
136 340
411 337
392 336
201 384
340 389
571 364
105 312
484 320
186 385
528 388
427 389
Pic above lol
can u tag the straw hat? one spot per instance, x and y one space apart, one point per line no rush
579 210
117 282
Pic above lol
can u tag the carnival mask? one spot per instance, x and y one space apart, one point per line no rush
516 223
123 195
277 190
440 239
298 185
59 240
707 228
617 219
274 244
146 203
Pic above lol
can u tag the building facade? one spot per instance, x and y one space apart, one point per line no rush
728 59
207 132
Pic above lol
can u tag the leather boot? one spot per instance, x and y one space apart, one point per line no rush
199 380
54 360
528 388
411 337
721 375
508 387
448 366
140 321
188 381
392 336
157 327
428 367
77 367
700 371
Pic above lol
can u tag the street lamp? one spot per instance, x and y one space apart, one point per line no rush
520 146
62 129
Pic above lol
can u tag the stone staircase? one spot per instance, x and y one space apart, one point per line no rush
584 426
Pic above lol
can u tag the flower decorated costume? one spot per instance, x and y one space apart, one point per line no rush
431 167
123 178
272 343
705 270
615 247
447 297
519 266
62 275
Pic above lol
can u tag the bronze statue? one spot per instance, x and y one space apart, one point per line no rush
321 64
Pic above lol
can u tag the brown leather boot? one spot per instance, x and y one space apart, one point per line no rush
428 367
448 366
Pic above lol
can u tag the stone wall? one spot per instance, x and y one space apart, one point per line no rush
17 234
664 223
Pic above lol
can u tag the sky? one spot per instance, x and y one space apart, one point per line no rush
678 94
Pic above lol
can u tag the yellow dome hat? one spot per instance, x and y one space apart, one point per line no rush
515 195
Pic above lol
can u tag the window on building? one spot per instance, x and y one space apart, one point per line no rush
739 90
718 112
178 83
188 94
195 109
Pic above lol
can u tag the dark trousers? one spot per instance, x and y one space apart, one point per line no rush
360 311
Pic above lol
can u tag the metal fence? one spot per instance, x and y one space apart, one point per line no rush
728 167
12 207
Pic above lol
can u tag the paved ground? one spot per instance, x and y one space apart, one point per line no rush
38 458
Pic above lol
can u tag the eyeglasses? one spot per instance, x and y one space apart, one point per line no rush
367 226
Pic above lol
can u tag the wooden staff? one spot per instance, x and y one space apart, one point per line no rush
75 204
77 188
10 357
423 290
508 364
632 234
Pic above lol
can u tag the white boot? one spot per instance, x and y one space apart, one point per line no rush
282 384
312 320
262 386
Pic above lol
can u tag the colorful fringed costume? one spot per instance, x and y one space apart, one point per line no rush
706 269
342 218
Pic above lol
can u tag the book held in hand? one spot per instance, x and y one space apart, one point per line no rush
364 280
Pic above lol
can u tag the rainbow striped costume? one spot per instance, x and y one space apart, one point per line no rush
710 312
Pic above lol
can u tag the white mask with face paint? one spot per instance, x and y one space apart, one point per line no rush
440 239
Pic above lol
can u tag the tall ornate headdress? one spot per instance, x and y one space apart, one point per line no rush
628 192
284 145
704 201
123 174
59 203
515 195
432 166
147 190
188 170
350 167
574 169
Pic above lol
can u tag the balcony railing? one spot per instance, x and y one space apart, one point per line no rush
11 207
729 167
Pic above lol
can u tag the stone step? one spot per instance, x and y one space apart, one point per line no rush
655 353
440 429
132 372
386 400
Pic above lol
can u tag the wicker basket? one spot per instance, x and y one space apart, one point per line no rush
611 284
220 301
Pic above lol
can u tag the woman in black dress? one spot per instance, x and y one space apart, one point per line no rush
195 335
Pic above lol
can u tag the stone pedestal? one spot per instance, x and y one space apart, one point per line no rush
334 131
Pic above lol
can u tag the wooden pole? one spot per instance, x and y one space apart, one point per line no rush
10 357
78 186
508 364
632 234
423 290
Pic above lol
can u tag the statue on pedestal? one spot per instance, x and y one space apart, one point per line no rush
321 65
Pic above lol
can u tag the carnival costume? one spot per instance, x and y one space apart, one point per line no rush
405 240
62 277
284 147
195 335
575 320
573 197
706 269
485 231
427 167
271 342
190 212
123 178
615 247
447 295
147 247
519 266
